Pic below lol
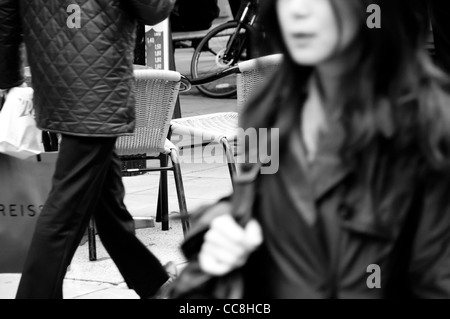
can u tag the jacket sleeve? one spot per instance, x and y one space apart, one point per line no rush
150 12
430 263
201 220
11 73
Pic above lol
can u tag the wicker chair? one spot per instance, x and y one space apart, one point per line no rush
222 127
156 95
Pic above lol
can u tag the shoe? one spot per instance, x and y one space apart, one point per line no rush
172 272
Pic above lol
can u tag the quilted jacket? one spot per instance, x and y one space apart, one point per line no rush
83 76
10 39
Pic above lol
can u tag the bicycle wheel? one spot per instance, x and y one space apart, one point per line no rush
209 58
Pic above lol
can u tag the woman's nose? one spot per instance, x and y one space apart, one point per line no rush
300 8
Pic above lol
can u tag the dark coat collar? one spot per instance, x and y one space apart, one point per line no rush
306 182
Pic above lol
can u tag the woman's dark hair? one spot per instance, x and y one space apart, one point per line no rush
394 66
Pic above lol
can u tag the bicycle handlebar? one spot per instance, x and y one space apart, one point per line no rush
187 84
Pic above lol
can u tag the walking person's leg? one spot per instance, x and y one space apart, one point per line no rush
77 184
141 270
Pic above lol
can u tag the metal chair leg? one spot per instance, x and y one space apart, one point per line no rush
159 205
164 214
230 158
180 191
91 240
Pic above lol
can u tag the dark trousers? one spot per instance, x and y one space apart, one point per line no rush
440 21
87 182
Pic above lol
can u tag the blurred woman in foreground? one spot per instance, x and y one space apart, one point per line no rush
359 207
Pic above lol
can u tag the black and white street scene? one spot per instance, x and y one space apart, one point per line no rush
225 150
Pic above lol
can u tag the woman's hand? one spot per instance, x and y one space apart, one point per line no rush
227 245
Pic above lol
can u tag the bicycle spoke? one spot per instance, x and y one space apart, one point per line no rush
211 57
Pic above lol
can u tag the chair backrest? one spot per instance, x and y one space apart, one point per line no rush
156 96
253 74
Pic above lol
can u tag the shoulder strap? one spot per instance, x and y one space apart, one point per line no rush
244 194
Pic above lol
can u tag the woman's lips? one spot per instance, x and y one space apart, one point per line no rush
301 35
301 39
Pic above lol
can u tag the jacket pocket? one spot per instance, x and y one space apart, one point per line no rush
382 219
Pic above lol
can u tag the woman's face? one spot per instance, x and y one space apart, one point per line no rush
312 32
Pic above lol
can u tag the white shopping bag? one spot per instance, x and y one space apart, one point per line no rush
19 135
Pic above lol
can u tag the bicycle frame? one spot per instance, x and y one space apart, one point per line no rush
248 16
225 46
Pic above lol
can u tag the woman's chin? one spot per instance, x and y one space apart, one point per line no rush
307 59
